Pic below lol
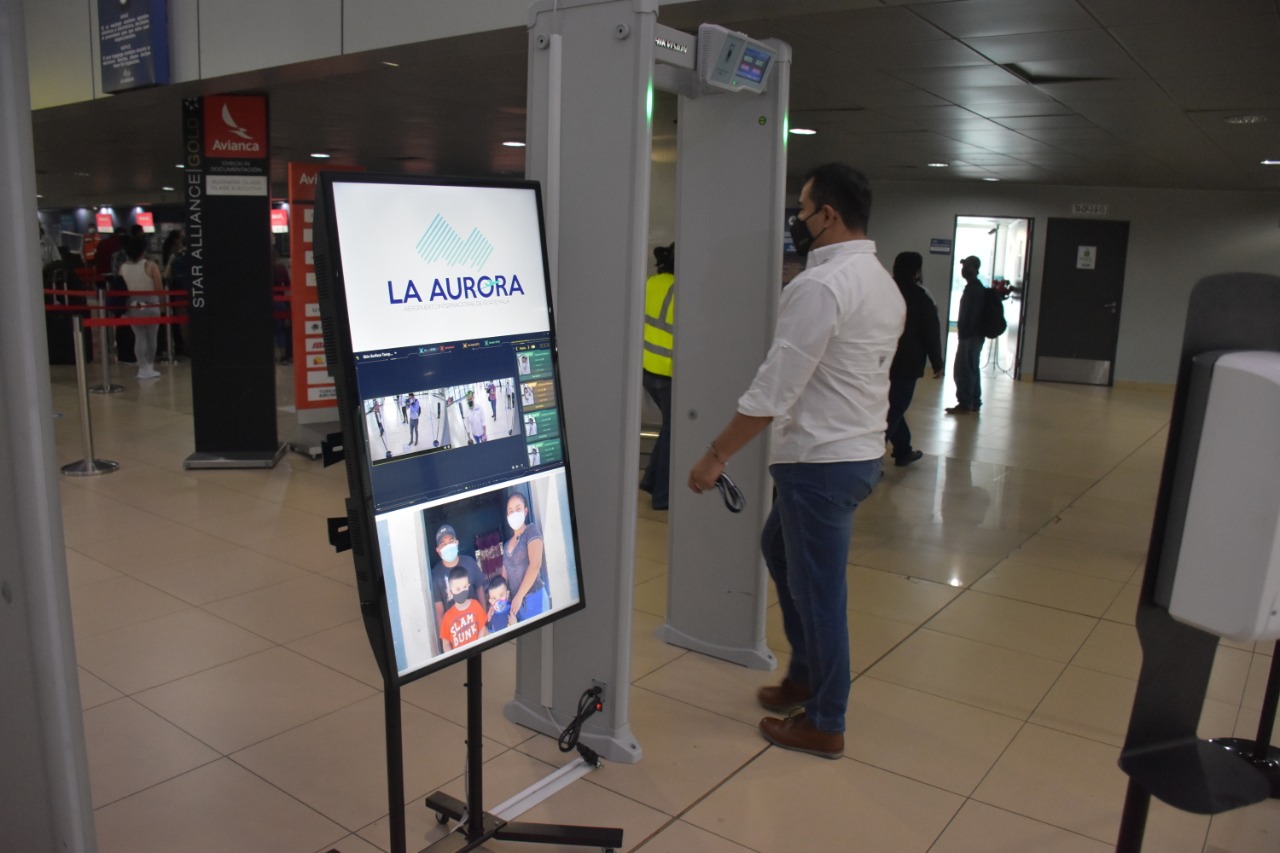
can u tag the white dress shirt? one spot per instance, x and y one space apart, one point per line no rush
825 381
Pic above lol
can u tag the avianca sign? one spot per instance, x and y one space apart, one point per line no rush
235 126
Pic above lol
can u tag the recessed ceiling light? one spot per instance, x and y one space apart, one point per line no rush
81 174
1250 119
390 64
179 166
320 155
513 143
803 131
39 196
938 165
167 189
990 179
1271 162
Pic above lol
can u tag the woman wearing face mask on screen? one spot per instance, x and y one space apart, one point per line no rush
522 559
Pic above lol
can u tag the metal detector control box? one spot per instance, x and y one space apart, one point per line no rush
1226 577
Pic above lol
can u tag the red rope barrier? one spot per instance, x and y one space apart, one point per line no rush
133 321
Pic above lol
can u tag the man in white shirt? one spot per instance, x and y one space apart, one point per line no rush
824 387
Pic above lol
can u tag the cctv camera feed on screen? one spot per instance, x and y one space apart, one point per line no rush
459 418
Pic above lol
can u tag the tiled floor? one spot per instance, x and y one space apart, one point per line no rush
231 701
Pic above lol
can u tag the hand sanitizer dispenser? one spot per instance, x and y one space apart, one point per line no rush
1226 562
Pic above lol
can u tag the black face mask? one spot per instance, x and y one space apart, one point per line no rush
462 598
800 235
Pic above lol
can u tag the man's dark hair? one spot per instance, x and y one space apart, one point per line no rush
134 247
906 266
845 189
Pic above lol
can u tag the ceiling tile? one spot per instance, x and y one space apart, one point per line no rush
1232 92
933 79
1094 43
1118 12
973 18
1237 35
847 30
1026 123
890 56
1021 108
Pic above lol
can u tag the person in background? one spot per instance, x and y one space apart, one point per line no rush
140 274
281 321
969 341
659 342
921 341
824 386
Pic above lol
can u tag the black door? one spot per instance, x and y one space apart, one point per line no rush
1080 301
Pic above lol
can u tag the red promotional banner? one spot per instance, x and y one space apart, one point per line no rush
147 220
313 386
105 222
279 221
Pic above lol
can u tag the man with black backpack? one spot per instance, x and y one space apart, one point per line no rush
971 337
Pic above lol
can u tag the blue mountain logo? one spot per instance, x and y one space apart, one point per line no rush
441 243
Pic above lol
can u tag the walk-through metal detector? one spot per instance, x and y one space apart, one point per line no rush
593 66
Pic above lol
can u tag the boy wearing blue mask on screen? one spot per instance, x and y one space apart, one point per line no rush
499 603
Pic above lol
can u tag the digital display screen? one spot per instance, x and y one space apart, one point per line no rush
754 64
450 390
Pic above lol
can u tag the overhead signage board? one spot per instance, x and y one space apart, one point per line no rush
133 39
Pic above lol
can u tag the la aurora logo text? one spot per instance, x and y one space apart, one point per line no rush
441 245
235 126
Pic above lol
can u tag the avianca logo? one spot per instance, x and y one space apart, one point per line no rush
441 243
230 122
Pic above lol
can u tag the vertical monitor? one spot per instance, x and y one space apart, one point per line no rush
435 301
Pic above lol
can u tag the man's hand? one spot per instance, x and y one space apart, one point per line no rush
705 472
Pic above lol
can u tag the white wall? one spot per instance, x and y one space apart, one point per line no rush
1176 237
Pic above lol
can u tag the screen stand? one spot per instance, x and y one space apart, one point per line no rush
478 825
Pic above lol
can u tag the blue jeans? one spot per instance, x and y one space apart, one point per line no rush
967 369
898 433
806 547
657 476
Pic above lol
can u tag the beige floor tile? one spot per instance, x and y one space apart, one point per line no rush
714 685
1252 829
134 555
83 570
1074 525
105 519
893 596
351 844
651 596
1007 682
213 809
870 637
980 828
344 648
291 610
130 749
1125 608
251 699
117 603
1090 704
647 570
306 551
687 753
1074 783
223 574
1086 558
937 563
681 837
160 650
1111 648
94 691
1016 625
648 653
261 521
1255 688
444 694
1229 676
764 805
1050 587
337 764
581 803
926 738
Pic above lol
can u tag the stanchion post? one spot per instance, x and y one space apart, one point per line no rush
168 328
88 466
104 347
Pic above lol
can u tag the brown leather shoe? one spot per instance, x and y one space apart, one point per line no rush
798 734
783 698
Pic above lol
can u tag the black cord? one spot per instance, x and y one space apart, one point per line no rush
588 704
732 495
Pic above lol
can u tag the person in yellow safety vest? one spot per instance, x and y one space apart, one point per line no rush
659 342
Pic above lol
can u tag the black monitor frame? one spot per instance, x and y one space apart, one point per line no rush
372 585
